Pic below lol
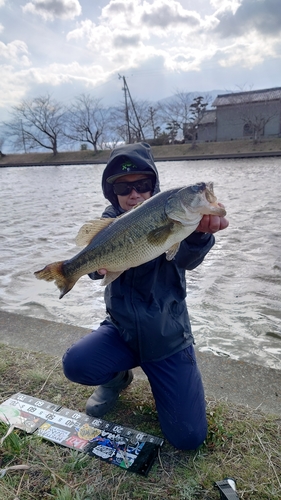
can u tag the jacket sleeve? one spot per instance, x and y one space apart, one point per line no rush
194 249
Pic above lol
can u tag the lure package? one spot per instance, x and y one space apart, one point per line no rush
118 445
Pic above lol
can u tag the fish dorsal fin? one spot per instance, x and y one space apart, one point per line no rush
161 234
138 204
172 252
91 229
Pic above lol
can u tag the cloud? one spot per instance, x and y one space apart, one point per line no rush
52 9
262 16
61 80
166 14
13 88
163 14
246 54
15 52
84 30
159 45
116 7
56 74
222 5
128 33
122 41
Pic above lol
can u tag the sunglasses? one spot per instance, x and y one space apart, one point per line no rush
125 188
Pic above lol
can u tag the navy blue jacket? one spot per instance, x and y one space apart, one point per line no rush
147 303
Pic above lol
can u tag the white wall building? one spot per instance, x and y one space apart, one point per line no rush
252 114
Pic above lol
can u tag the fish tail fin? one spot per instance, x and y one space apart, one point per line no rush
54 272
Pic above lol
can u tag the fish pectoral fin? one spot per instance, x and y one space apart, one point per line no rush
161 234
109 277
90 229
171 253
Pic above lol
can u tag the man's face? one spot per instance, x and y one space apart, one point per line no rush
133 198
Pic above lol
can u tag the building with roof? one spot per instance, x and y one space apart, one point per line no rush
253 114
207 130
203 130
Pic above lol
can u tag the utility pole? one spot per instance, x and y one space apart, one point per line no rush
127 91
125 88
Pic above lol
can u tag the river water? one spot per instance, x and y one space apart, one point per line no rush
233 297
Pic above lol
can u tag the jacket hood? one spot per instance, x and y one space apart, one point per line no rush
128 159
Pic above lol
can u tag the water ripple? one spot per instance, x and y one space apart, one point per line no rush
233 297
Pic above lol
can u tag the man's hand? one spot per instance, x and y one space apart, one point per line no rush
102 271
212 223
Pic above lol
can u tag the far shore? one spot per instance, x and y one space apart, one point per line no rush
172 152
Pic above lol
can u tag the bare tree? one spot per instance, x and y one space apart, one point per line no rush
86 121
172 127
175 113
256 115
125 125
37 123
155 121
197 110
118 128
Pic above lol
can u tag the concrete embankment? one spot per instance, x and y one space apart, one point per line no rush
234 381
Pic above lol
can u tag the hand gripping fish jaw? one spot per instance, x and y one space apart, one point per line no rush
192 202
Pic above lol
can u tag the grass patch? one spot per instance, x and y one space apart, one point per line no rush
168 151
241 443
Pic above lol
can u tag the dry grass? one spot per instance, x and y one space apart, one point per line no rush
169 151
241 443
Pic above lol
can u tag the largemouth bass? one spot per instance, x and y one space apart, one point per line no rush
156 226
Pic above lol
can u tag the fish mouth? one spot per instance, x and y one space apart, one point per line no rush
209 193
215 207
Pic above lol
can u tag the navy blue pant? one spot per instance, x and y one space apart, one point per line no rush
175 381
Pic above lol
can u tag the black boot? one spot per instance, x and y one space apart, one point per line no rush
106 395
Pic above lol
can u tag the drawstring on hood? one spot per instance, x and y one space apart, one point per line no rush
128 159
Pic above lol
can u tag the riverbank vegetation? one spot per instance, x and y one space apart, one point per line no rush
42 123
45 124
169 151
242 443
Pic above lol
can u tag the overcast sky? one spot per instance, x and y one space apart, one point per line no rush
69 47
